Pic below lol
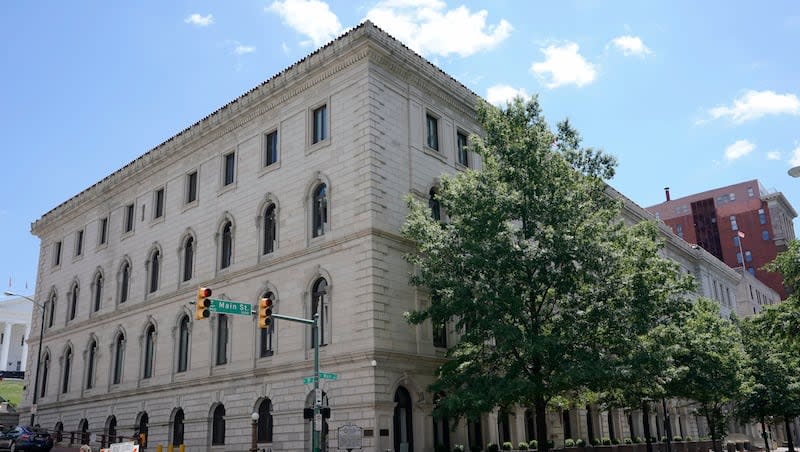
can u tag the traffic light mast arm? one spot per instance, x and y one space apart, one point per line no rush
293 319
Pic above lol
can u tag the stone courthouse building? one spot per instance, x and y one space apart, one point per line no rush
294 189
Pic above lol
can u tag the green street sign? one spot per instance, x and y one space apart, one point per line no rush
308 380
327 376
230 307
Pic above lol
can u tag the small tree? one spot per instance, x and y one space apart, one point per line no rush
710 359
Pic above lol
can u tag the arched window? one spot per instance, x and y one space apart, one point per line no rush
155 267
319 304
111 429
183 344
270 230
226 246
177 428
320 210
119 356
222 339
73 304
83 427
51 311
98 291
218 426
402 420
143 427
267 334
90 365
59 432
45 372
265 421
433 204
124 281
149 351
188 258
67 368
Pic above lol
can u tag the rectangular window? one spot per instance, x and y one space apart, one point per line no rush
463 155
679 230
79 243
102 233
736 240
734 226
271 148
748 256
158 203
732 196
320 132
432 128
750 192
762 216
765 235
230 169
191 187
129 219
738 258
57 254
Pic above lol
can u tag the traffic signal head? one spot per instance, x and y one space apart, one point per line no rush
201 305
264 313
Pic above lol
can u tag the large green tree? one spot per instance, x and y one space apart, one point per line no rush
535 269
710 359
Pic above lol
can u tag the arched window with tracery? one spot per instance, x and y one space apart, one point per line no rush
124 281
91 357
183 344
265 421
98 291
218 426
149 351
226 245
270 230
320 302
320 210
73 301
154 269
188 259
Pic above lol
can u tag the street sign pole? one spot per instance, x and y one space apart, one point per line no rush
317 400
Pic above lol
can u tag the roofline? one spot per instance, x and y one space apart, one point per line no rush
705 192
778 196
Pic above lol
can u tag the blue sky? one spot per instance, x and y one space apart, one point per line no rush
691 95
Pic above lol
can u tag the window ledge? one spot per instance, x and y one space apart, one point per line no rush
311 148
434 153
125 235
269 168
227 188
158 220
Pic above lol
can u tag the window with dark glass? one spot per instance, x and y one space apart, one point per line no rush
734 226
183 344
461 142
98 291
270 229
271 148
679 230
67 368
191 187
149 351
188 258
748 256
51 314
158 208
57 254
218 426
222 339
91 365
432 128
129 218
267 333
125 277
226 252
320 213
762 216
319 304
177 428
736 240
433 204
155 267
73 305
103 231
230 168
45 371
79 243
265 421
119 350
320 132
112 429
765 235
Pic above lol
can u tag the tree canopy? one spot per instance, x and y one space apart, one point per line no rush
536 271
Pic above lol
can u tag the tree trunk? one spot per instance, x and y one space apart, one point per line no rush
541 423
788 435
646 425
764 435
712 426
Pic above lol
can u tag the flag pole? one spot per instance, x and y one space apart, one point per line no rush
741 253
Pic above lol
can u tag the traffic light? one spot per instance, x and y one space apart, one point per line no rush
201 306
264 313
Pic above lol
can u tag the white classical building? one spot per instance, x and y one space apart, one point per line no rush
296 189
15 325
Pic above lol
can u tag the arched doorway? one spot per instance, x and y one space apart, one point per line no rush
402 421
141 429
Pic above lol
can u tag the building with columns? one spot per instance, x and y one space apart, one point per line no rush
15 325
293 190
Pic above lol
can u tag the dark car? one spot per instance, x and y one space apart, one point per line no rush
26 438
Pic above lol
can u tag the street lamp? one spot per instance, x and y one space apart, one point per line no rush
795 172
254 442
38 354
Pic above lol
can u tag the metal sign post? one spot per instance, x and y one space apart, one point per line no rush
317 391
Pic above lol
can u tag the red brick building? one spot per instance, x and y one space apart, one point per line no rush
717 219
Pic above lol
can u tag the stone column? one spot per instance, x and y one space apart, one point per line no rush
24 356
6 344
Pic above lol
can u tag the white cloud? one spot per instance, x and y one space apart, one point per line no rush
794 160
565 66
773 155
429 28
755 104
243 49
500 94
200 21
631 45
312 18
738 150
